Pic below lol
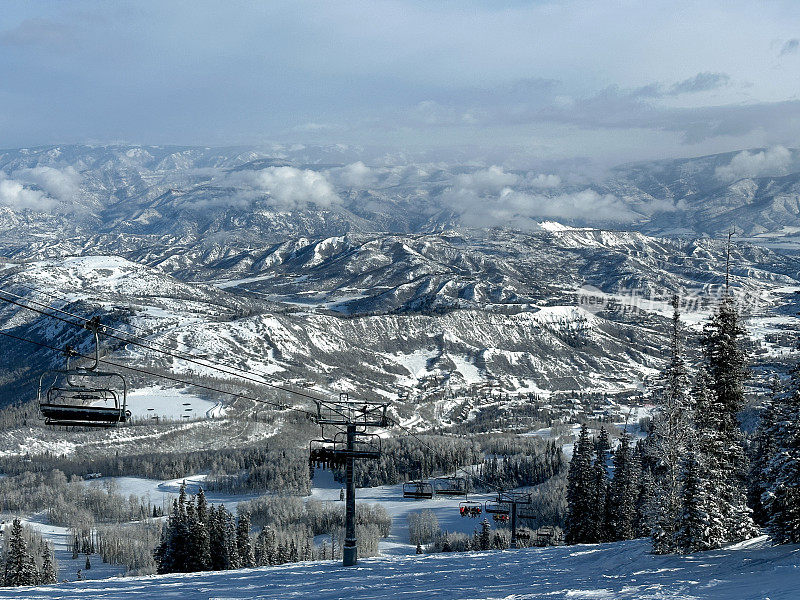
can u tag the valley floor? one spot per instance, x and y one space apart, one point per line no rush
625 570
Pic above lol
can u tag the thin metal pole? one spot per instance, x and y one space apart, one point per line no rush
350 554
513 525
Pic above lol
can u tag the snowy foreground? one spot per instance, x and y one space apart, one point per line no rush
615 571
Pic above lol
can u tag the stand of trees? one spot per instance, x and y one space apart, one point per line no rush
277 465
203 537
26 559
601 508
688 485
504 461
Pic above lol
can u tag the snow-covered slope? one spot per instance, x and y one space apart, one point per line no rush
609 571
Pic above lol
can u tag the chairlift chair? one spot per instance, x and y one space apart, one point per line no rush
419 490
450 486
365 445
84 396
321 454
470 509
497 508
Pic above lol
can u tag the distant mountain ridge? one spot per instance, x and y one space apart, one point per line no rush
195 193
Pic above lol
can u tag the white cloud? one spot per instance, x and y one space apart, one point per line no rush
40 188
543 181
287 187
62 184
491 180
14 194
773 161
486 199
357 175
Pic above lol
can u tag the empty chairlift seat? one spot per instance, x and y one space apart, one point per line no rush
450 486
419 490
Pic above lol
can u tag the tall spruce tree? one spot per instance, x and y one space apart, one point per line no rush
667 442
692 531
781 498
49 572
231 550
580 491
726 364
624 492
20 568
763 448
199 542
243 545
599 525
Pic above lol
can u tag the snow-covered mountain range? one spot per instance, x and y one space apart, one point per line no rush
378 280
265 195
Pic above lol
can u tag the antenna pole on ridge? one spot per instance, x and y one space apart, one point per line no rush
728 261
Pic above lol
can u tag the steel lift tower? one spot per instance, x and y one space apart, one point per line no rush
511 504
350 420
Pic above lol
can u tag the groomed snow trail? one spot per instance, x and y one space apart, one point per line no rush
614 571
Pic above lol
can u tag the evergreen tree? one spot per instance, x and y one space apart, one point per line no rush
231 547
725 360
49 573
20 568
282 554
202 506
763 449
260 549
216 537
693 527
199 543
624 492
485 538
243 541
580 491
781 497
667 442
599 525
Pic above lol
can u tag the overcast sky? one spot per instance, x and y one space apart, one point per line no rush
607 80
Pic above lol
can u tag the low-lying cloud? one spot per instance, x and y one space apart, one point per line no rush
40 188
286 188
773 161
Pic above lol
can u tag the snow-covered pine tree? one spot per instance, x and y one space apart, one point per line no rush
667 441
782 475
624 492
49 572
231 548
20 568
272 547
692 533
762 449
260 549
243 545
709 448
726 364
202 506
199 542
485 536
599 525
580 490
